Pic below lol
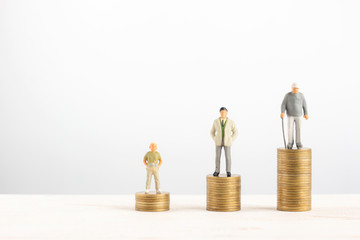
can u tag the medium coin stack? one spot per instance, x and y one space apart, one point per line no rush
223 193
294 179
152 202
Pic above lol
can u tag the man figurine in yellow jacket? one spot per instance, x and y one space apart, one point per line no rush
152 161
223 133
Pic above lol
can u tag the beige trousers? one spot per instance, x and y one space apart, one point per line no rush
153 170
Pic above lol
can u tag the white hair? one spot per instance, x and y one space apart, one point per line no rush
295 85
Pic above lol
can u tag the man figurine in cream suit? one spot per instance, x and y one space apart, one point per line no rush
223 133
152 161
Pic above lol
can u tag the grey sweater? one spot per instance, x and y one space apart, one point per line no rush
294 104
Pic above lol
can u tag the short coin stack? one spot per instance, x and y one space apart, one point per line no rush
223 193
152 202
294 179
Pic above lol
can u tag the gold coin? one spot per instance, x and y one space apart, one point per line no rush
152 202
294 179
223 193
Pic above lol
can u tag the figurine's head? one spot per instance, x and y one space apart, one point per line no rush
153 147
295 88
223 112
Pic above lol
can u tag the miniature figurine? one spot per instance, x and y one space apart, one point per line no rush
223 133
152 161
294 104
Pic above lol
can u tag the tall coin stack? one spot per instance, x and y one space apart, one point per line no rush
152 202
294 179
223 193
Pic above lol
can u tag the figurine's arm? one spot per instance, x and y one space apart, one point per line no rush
145 159
306 116
160 162
234 132
213 131
283 106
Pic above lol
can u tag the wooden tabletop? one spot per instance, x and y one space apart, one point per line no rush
114 217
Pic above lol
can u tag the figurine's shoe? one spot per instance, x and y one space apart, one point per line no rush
289 146
299 146
228 174
147 191
158 191
216 174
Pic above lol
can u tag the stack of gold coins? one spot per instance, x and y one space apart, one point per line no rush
152 201
223 193
294 179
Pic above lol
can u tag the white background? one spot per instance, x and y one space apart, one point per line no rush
85 86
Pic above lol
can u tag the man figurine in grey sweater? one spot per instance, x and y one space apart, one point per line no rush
294 104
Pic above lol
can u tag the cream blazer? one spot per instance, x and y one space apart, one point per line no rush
230 131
